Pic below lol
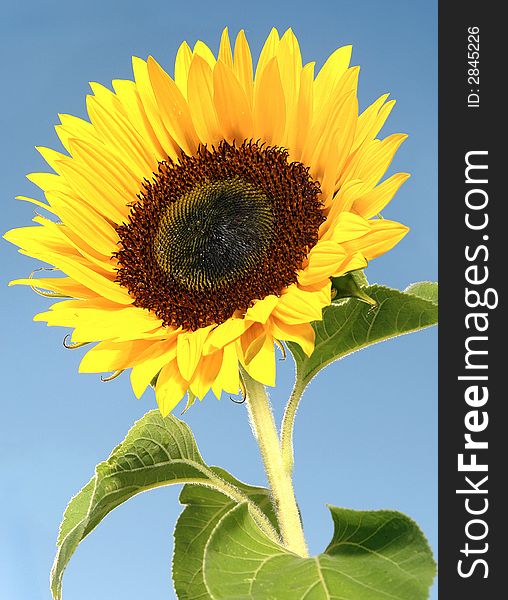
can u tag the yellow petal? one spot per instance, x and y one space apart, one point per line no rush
190 349
62 285
98 194
325 118
108 168
228 377
289 60
152 360
37 203
200 98
150 107
332 116
224 334
206 374
120 324
380 119
252 341
268 51
98 255
383 236
60 245
49 182
90 278
173 108
351 263
51 156
130 99
323 260
331 72
75 128
302 334
371 163
120 137
269 105
104 264
373 202
302 118
261 309
366 121
298 306
170 388
182 65
342 202
201 49
261 365
243 65
54 242
86 222
113 356
36 241
93 244
225 54
340 149
347 226
231 104
330 149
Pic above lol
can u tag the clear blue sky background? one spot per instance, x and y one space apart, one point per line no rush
366 435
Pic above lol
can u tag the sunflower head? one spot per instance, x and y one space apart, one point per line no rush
217 231
197 220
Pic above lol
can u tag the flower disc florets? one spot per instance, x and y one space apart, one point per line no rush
215 231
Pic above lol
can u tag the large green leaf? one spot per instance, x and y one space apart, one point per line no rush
157 451
350 324
205 507
374 555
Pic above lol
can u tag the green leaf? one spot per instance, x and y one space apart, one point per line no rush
157 451
349 325
424 289
374 555
205 507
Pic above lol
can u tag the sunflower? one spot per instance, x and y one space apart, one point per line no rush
198 220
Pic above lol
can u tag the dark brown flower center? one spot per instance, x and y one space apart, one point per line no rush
214 232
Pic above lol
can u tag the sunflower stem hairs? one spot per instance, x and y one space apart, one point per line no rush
198 222
278 475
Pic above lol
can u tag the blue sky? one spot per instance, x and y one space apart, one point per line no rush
366 433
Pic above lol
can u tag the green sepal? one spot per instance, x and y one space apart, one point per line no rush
351 285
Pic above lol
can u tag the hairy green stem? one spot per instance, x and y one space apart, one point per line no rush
288 422
235 494
279 478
